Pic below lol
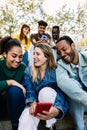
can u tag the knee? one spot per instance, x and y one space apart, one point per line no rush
47 94
14 91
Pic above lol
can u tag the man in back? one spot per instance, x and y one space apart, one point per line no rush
41 36
55 35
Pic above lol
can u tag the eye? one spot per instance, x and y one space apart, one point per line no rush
21 56
64 49
14 56
38 54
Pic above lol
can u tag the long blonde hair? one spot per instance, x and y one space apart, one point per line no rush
46 49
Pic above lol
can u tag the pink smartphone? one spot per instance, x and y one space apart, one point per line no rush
42 106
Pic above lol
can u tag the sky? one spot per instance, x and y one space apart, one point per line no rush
51 6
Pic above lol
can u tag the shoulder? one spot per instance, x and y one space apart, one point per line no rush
22 66
62 65
60 61
83 54
28 69
27 72
1 62
51 71
33 35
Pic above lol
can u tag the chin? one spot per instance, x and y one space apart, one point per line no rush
36 65
15 66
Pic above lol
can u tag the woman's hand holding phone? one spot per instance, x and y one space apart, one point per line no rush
32 107
42 106
52 113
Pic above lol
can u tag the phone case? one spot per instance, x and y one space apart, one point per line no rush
44 37
42 106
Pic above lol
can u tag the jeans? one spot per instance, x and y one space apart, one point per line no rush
15 102
77 112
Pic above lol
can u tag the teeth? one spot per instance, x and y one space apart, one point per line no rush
65 57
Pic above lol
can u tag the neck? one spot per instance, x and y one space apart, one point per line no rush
42 71
42 68
76 59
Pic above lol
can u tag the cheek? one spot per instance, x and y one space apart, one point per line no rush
43 60
8 58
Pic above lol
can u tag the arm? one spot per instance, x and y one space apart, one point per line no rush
36 40
33 39
31 95
15 83
61 104
70 86
8 83
3 86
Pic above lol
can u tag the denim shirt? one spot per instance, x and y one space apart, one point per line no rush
49 80
72 83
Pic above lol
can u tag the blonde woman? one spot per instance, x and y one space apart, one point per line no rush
41 86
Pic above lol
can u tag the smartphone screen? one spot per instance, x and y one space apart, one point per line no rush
44 37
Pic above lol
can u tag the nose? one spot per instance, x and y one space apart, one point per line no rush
27 31
34 56
62 53
17 59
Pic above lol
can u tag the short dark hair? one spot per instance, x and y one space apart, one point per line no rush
41 22
55 27
66 38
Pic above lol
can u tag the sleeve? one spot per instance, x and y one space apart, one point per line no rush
31 95
3 86
49 36
61 103
32 38
70 86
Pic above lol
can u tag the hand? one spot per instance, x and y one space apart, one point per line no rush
15 83
48 115
32 107
46 41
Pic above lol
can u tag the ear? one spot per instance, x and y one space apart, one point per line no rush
73 45
4 54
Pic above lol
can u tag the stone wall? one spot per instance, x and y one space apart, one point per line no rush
64 124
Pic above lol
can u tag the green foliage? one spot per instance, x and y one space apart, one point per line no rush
16 12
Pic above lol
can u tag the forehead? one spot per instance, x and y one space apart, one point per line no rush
41 26
15 49
55 30
62 43
26 27
37 49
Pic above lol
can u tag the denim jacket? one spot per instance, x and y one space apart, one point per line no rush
68 81
49 80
